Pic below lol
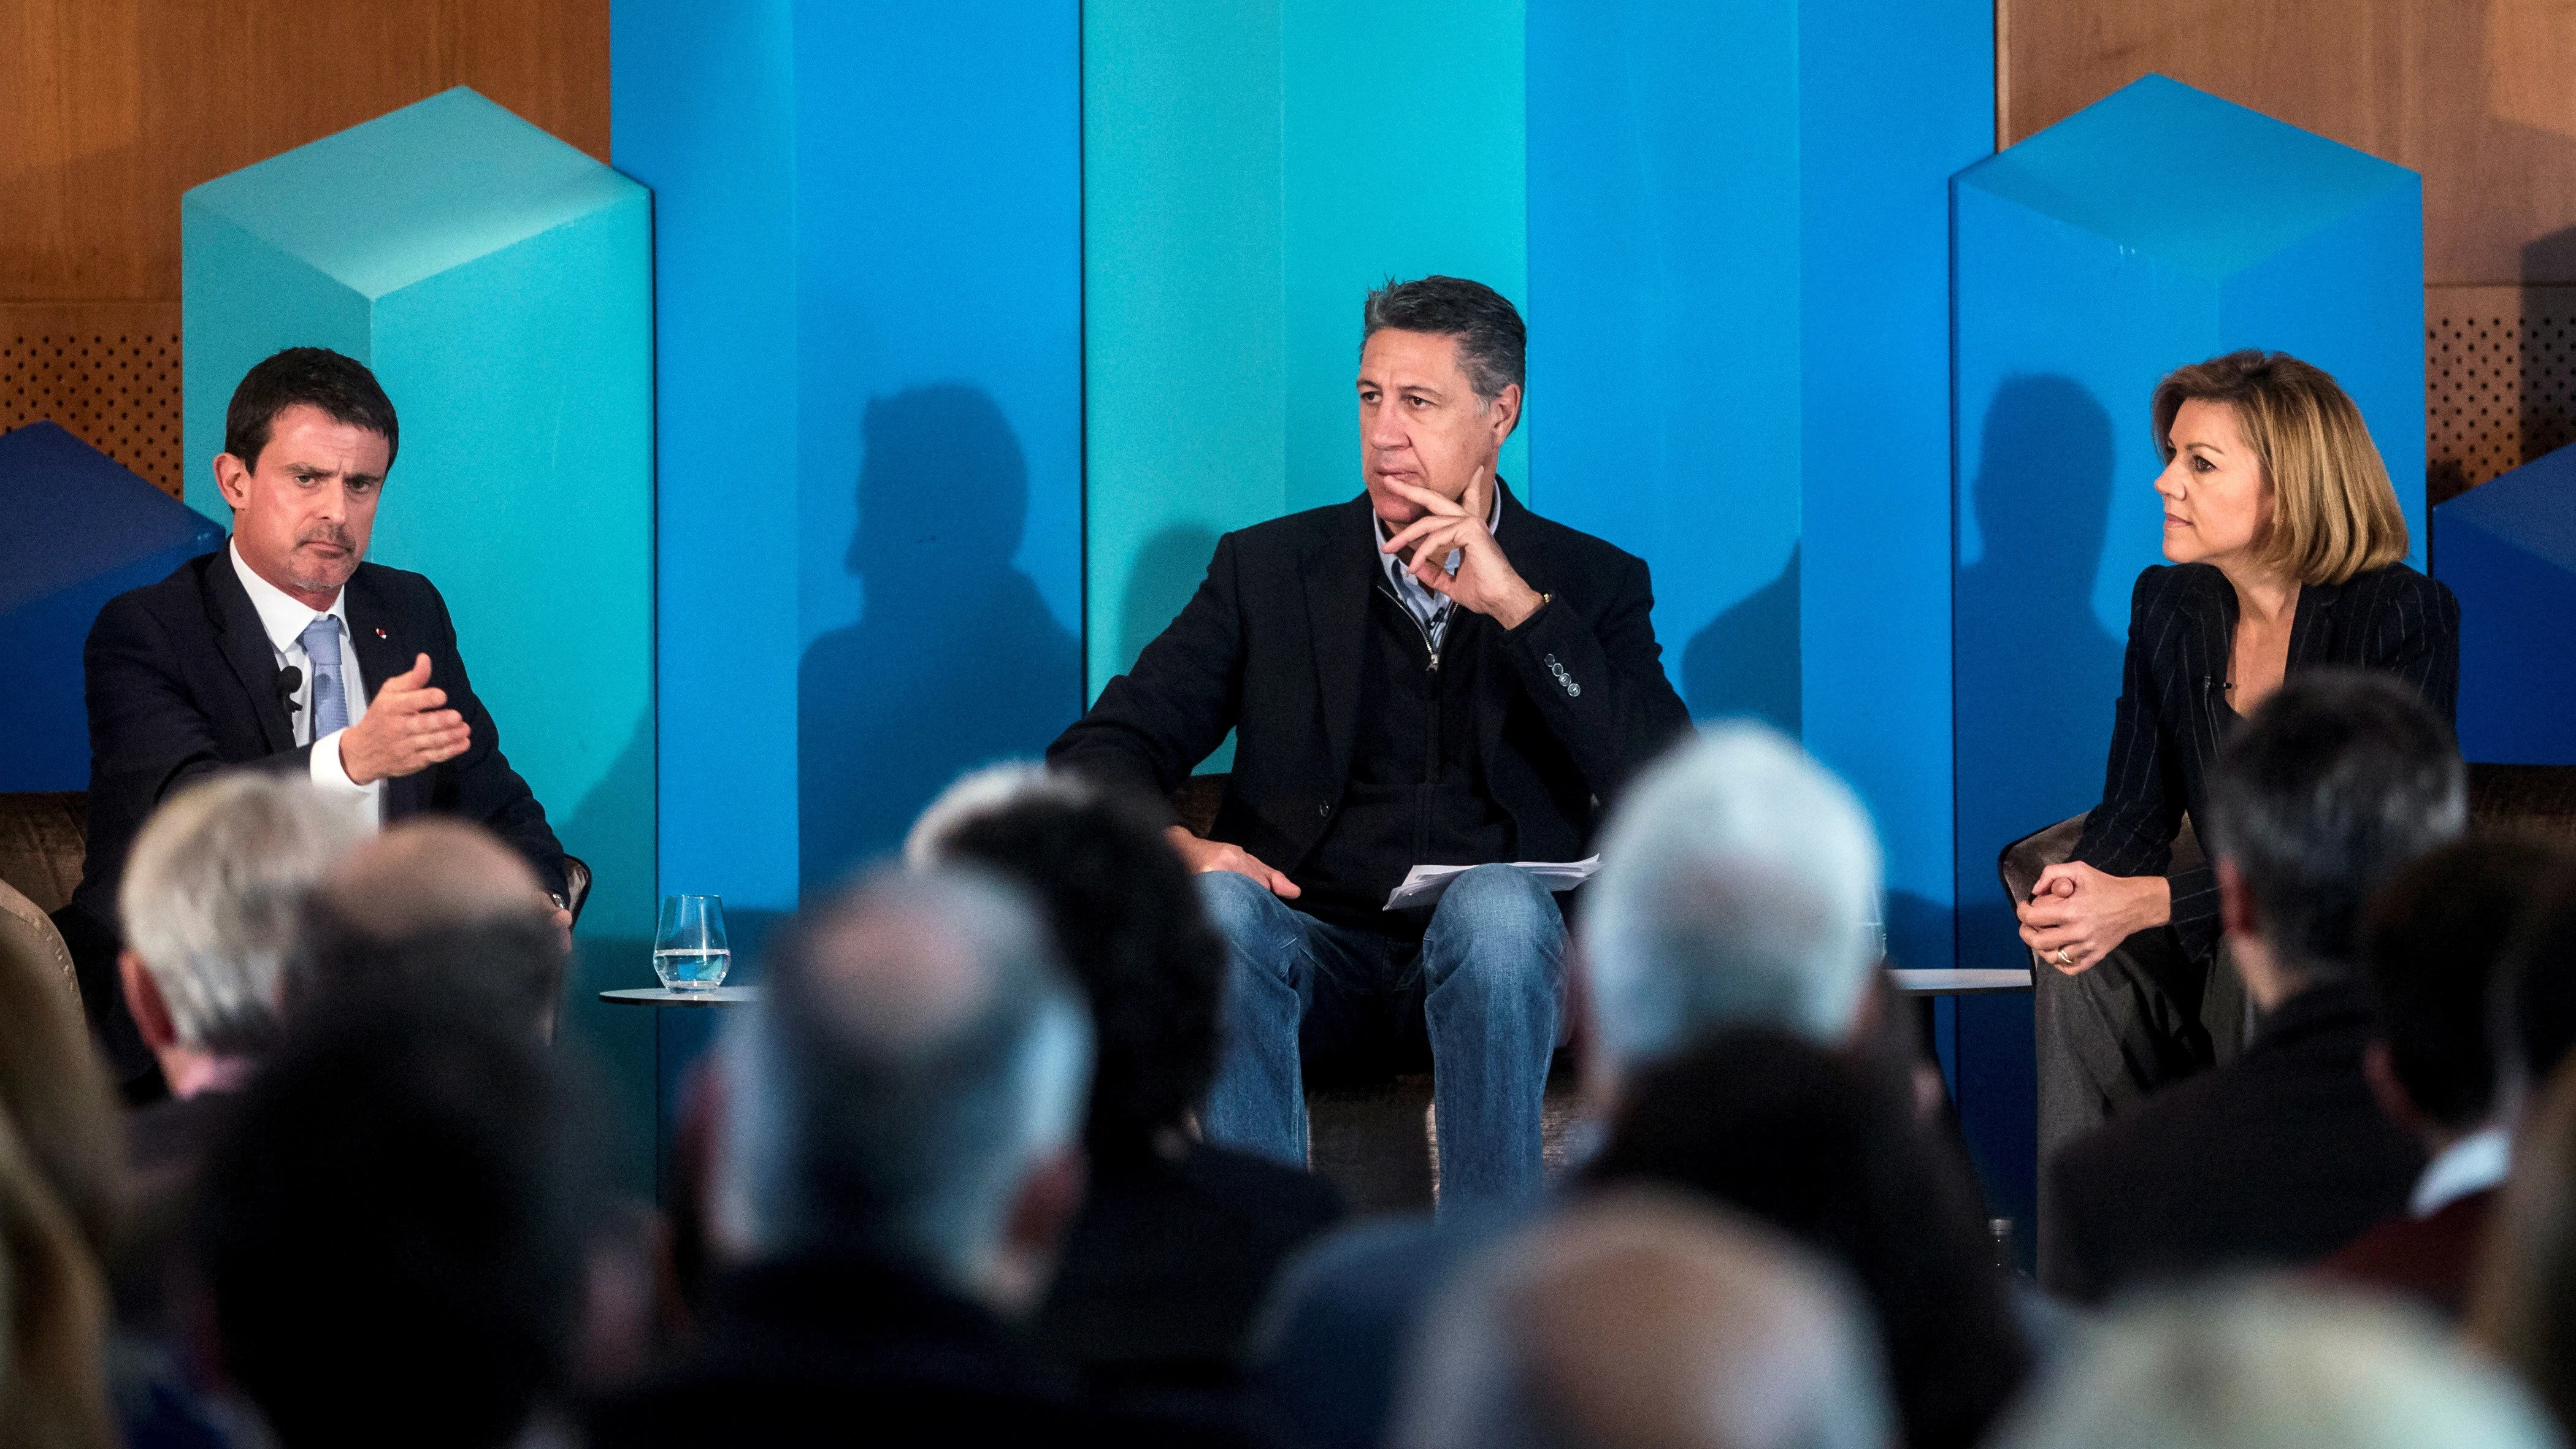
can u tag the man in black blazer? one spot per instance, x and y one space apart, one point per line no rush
285 652
2282 1156
1427 674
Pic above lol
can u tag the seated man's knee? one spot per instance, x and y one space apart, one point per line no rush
1504 922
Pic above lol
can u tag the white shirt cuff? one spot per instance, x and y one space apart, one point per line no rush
329 774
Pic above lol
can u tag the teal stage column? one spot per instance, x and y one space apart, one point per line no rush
1249 173
498 281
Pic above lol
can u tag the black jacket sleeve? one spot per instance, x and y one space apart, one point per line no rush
147 736
479 785
2131 832
1152 725
1600 683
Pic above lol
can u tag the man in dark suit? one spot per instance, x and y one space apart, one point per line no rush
285 652
1429 674
2282 1156
2435 941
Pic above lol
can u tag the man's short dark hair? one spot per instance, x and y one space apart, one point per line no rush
2339 779
1127 920
513 967
314 376
1493 345
394 1231
2431 944
2535 1008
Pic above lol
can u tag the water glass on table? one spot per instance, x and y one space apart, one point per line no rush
689 950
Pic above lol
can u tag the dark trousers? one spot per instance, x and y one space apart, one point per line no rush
2145 1016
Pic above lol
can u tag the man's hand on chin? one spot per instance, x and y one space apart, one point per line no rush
1485 581
1202 856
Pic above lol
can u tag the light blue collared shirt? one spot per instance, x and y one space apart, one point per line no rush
1429 609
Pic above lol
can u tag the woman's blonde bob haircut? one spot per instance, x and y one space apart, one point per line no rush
2334 512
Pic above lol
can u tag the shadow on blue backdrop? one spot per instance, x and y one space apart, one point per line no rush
1744 665
2037 678
957 661
1166 572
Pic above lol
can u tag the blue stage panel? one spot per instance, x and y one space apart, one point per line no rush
2158 227
498 281
81 530
2508 549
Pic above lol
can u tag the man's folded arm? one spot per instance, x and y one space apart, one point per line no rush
1601 687
1152 725
148 738
481 785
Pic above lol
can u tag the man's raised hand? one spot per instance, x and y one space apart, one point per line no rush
407 729
1202 856
1485 581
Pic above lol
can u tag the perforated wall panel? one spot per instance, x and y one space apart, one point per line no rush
107 372
2499 381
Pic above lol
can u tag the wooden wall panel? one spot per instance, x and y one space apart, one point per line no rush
2475 94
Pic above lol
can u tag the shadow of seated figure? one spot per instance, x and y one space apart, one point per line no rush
957 661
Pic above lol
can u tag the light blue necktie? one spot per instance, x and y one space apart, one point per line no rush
321 642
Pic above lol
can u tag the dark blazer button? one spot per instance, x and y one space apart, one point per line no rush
1324 809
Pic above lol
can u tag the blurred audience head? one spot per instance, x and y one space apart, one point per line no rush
2272 1365
909 1089
2430 944
2535 994
1823 1145
213 897
1127 920
433 905
394 1232
55 1092
2523 1307
2336 781
1739 885
58 1163
1641 1321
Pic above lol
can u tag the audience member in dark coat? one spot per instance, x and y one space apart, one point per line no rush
894 1164
1825 1146
2281 1156
1178 1239
2430 948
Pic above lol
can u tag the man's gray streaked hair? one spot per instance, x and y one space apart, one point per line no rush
1493 342
1642 1319
2273 1365
213 894
1739 885
917 1050
988 791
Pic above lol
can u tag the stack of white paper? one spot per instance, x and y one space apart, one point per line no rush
1424 883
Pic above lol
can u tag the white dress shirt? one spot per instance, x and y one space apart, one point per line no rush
1429 609
284 621
2475 1163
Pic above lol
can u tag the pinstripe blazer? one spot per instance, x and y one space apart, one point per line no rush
2173 709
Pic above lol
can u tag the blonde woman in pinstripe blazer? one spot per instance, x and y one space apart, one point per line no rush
2287 549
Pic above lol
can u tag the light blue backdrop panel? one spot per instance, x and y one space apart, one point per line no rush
1184 320
939 392
2508 549
81 530
703 111
2158 227
498 282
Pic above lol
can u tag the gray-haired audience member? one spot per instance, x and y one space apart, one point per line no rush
1739 880
1739 886
2267 1365
435 905
2281 1156
896 1158
213 895
1642 1321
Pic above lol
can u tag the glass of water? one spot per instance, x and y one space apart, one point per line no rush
689 950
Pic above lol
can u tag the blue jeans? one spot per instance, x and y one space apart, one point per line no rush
1484 989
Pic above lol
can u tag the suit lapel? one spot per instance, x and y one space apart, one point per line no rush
246 648
1339 575
2310 624
376 639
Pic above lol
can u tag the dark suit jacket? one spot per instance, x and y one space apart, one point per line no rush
2276 1159
832 1351
2431 1259
1271 646
2173 709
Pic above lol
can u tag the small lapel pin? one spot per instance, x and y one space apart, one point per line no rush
380 633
